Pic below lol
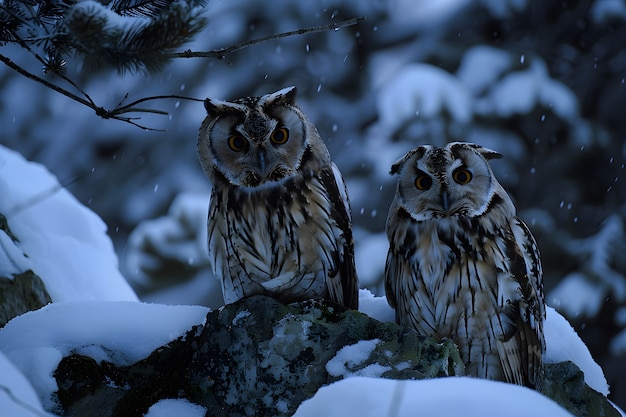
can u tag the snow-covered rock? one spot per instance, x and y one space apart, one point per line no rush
375 397
260 356
65 243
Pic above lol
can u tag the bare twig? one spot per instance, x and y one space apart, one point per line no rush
221 53
115 113
120 109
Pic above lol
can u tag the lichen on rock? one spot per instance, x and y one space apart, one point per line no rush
258 357
253 357
21 290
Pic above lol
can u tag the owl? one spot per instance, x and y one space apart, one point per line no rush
279 217
462 266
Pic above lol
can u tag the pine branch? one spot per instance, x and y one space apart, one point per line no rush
146 8
142 45
135 45
11 19
221 53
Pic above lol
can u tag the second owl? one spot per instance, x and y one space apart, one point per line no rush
461 265
279 217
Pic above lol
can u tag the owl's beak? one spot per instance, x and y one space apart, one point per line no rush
444 200
261 160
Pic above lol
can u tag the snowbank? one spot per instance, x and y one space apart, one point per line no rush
65 242
469 397
122 332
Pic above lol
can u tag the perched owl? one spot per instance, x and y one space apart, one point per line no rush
279 217
461 265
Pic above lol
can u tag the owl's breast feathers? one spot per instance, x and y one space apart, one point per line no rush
290 239
477 281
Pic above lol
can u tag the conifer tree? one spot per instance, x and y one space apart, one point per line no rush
127 35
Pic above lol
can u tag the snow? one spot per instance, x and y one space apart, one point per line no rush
175 407
482 66
562 342
121 332
13 260
520 91
353 355
606 10
375 397
95 313
503 8
375 307
423 12
421 90
17 396
564 296
370 254
65 242
598 277
180 235
618 344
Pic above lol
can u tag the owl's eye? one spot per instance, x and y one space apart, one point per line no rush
462 176
237 143
280 136
423 182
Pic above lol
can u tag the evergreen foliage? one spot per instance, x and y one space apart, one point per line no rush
127 35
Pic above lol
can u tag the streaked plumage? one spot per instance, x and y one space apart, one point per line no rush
279 217
462 265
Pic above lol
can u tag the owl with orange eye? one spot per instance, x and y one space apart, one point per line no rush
279 219
462 265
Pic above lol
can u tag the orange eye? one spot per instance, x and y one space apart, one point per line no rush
237 143
462 176
423 182
280 136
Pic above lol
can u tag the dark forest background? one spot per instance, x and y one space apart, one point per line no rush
542 82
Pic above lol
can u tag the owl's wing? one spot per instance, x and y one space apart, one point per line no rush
402 239
343 287
522 347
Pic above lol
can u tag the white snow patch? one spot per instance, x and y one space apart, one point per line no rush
618 344
375 307
180 235
519 92
239 317
504 8
354 355
469 397
66 242
17 396
564 344
482 66
566 296
425 91
562 341
370 255
12 259
423 12
122 332
605 10
175 407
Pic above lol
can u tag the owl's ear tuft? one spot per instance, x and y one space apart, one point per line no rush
486 153
286 95
214 107
417 152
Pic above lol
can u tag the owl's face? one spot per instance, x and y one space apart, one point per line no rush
454 181
253 141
